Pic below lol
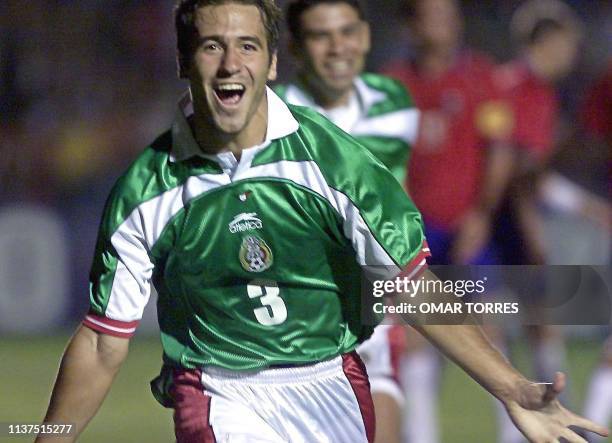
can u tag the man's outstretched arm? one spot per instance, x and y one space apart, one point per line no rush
533 407
86 373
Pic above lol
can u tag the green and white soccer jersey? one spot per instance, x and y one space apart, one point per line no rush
256 262
381 115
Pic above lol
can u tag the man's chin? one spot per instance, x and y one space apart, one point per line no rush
342 81
337 89
229 126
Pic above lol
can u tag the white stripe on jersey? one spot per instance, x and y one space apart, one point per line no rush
135 238
400 124
137 235
307 173
89 318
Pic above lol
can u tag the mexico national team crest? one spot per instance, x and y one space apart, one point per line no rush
255 254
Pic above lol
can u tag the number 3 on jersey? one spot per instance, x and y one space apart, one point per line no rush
273 312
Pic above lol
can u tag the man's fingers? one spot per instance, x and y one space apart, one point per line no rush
572 437
559 382
557 386
588 425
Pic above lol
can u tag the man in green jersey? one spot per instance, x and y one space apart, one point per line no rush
330 40
252 219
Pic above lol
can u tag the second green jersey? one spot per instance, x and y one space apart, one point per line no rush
386 121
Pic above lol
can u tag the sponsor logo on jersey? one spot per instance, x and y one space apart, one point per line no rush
255 254
246 221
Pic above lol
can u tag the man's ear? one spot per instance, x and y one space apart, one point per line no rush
272 68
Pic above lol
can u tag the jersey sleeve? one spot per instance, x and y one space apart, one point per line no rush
120 279
383 225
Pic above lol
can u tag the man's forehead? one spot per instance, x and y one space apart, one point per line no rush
231 18
332 15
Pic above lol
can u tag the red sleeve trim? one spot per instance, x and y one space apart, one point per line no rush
116 328
415 268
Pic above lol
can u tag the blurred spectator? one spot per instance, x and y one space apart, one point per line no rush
547 34
576 186
575 190
457 172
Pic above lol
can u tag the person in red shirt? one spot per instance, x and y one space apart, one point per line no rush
459 166
457 173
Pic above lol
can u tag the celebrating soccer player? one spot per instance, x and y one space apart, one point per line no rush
252 219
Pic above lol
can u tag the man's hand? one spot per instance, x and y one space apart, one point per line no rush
533 407
538 414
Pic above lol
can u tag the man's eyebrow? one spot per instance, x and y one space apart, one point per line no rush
321 31
252 39
220 39
351 26
204 38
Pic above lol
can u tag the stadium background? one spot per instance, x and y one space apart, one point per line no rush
85 85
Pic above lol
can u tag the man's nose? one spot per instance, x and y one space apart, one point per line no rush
337 44
231 62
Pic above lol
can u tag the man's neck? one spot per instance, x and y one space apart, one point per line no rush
435 61
325 98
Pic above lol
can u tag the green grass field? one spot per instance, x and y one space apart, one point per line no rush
131 415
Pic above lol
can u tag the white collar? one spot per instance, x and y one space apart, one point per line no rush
281 123
366 96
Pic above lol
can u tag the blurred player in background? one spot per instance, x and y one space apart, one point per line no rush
547 33
598 403
458 170
575 191
330 40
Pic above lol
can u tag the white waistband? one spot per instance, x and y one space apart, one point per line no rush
296 374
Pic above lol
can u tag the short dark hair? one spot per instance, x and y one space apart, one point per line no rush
542 28
533 20
296 8
409 9
187 33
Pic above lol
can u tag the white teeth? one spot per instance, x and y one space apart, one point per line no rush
230 87
339 65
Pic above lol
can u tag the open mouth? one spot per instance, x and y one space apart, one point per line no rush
339 68
230 93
